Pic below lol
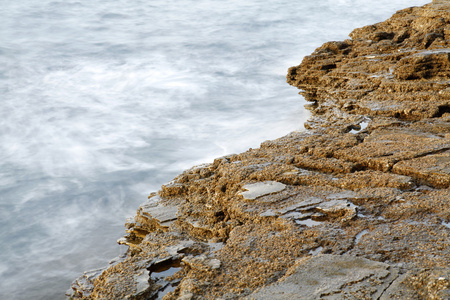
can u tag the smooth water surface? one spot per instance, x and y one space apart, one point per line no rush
104 101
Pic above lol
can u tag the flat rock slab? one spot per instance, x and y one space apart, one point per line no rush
383 148
302 205
159 212
259 189
142 282
431 169
331 277
342 208
202 262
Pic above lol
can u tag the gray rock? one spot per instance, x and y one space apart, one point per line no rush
303 205
84 285
398 290
269 213
342 208
297 215
342 195
256 190
153 209
174 250
142 282
331 277
201 262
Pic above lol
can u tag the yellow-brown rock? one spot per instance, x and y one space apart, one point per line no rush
360 200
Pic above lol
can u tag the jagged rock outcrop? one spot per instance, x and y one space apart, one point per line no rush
355 207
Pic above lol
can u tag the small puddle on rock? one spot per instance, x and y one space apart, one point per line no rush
162 274
159 273
170 287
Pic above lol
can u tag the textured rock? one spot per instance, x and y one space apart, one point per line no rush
331 277
355 207
430 169
259 189
201 263
83 286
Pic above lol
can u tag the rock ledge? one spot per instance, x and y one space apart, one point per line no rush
355 207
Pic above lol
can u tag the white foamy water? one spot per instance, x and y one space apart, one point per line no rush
104 101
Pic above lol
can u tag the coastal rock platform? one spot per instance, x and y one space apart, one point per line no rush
357 206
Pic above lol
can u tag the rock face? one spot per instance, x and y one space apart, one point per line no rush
355 207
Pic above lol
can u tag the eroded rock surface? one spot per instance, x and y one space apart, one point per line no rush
355 207
331 277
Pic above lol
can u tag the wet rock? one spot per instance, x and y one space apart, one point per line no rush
295 215
342 209
302 205
84 285
154 210
383 148
151 216
182 247
255 190
201 263
433 169
142 283
268 213
355 207
331 277
433 285
424 64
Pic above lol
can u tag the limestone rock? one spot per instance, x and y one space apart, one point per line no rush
202 263
142 282
84 285
340 208
354 207
331 277
259 189
431 169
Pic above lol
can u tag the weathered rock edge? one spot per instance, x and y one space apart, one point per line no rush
355 207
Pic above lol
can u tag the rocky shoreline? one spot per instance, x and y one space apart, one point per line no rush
355 207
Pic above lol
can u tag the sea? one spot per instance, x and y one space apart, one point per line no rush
101 102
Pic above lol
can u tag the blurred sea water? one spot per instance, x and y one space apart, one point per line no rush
102 102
